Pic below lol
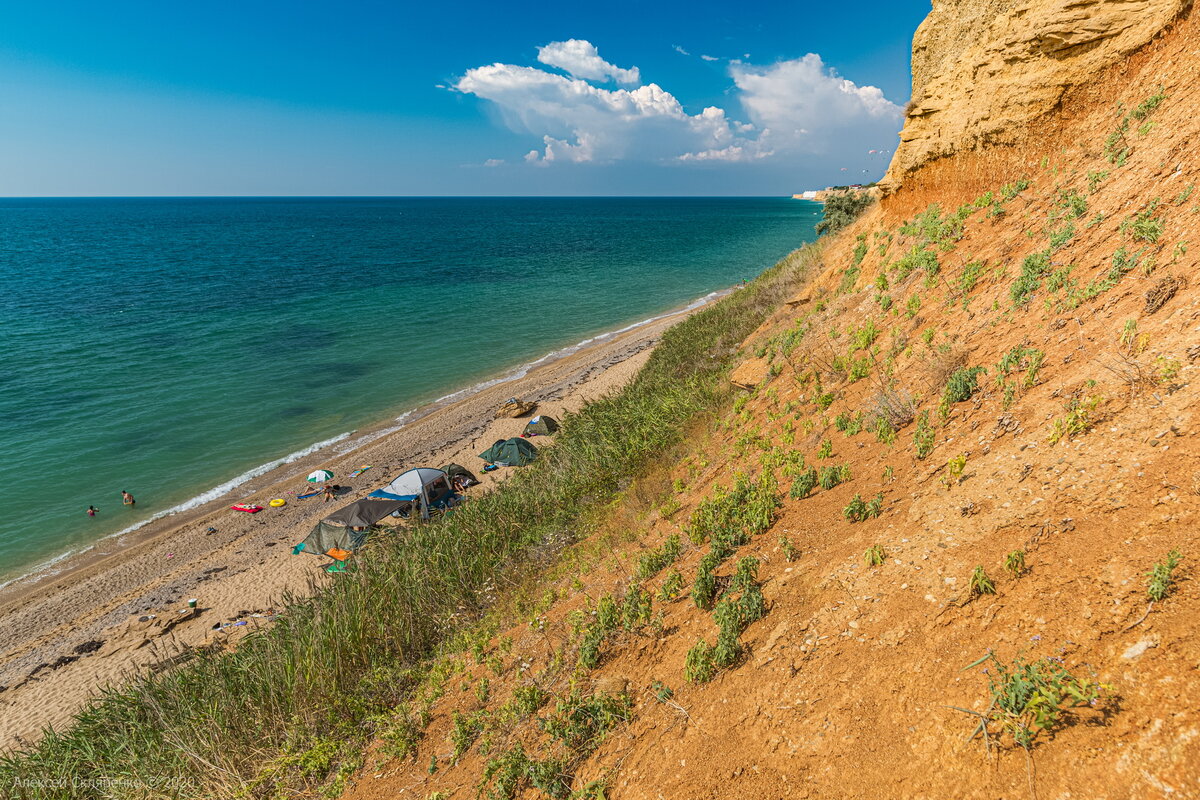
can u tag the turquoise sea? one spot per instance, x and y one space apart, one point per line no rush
173 347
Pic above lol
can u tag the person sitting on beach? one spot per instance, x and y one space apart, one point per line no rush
91 512
127 498
330 492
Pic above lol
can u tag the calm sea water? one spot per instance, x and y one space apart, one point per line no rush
168 346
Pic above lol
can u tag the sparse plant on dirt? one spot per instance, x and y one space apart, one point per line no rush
1062 236
1166 369
1014 563
1020 357
962 385
635 612
859 510
1116 146
672 585
980 583
699 666
790 551
731 515
527 700
1030 697
969 277
804 483
830 477
1160 577
1147 106
954 469
659 559
1144 226
466 730
704 587
924 436
1094 177
581 722
1077 419
875 555
728 618
1033 268
860 249
826 449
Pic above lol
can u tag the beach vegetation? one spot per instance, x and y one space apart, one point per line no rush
1161 577
841 209
1029 697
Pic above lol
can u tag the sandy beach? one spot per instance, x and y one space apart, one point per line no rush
122 608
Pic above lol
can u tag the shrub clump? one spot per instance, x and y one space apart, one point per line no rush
841 209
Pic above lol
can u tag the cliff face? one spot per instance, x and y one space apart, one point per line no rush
982 69
962 459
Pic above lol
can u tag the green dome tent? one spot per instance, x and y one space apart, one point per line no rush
510 453
541 425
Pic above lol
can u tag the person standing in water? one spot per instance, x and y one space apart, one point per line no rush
127 498
92 511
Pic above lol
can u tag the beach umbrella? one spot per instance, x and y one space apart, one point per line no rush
320 476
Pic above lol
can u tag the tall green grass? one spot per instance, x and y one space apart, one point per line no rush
293 703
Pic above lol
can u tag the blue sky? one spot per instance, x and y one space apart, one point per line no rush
353 98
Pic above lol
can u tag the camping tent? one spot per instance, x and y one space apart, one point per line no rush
328 536
337 531
423 486
541 425
510 453
464 475
366 512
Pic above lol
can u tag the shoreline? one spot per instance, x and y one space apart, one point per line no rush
270 472
69 631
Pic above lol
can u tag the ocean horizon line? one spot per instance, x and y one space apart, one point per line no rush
405 197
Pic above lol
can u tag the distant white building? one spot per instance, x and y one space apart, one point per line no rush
811 194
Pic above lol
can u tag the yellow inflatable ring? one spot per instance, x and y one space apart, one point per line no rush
278 501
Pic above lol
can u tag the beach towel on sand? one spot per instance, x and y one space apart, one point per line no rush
249 509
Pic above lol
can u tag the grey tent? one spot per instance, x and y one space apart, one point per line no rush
366 512
510 453
541 425
423 488
337 530
328 536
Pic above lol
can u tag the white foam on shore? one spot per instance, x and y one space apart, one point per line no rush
406 418
204 497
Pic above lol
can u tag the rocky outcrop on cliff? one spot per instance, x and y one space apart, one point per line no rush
982 69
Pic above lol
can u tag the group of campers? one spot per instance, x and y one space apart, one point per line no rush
415 495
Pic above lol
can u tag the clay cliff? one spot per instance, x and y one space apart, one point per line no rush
942 540
984 69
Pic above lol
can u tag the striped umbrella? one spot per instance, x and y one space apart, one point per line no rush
320 476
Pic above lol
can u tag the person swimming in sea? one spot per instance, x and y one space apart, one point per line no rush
91 512
127 498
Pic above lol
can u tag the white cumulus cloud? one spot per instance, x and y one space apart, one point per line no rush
581 59
802 104
580 122
796 109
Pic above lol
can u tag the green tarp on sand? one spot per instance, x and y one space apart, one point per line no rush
510 453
